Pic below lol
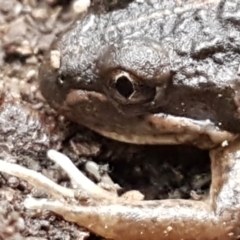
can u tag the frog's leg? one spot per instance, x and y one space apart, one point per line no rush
115 218
79 180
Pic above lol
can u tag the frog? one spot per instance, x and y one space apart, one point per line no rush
155 72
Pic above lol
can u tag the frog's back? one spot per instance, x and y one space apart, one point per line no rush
153 19
175 24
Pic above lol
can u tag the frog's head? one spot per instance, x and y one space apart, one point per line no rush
123 90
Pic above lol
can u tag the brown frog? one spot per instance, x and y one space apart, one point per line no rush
157 72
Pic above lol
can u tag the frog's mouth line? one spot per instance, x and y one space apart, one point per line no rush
203 134
92 109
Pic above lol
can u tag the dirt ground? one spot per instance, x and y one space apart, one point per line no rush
29 128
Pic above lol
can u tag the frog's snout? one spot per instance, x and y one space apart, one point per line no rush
48 77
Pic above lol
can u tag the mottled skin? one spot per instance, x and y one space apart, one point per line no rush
163 72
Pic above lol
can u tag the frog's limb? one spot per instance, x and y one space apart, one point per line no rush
171 219
76 176
83 183
36 179
217 218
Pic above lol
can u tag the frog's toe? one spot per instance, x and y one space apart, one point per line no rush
78 179
36 179
82 186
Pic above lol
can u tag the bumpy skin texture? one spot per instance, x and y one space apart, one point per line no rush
22 129
183 59
153 73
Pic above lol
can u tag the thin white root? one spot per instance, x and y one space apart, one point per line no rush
56 206
68 212
32 203
36 179
62 208
77 176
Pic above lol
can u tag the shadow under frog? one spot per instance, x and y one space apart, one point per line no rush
157 72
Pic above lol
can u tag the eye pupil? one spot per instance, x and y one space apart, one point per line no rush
124 86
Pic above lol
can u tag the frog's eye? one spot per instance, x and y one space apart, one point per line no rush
124 85
126 88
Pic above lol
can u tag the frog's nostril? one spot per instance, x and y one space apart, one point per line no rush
124 86
61 79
